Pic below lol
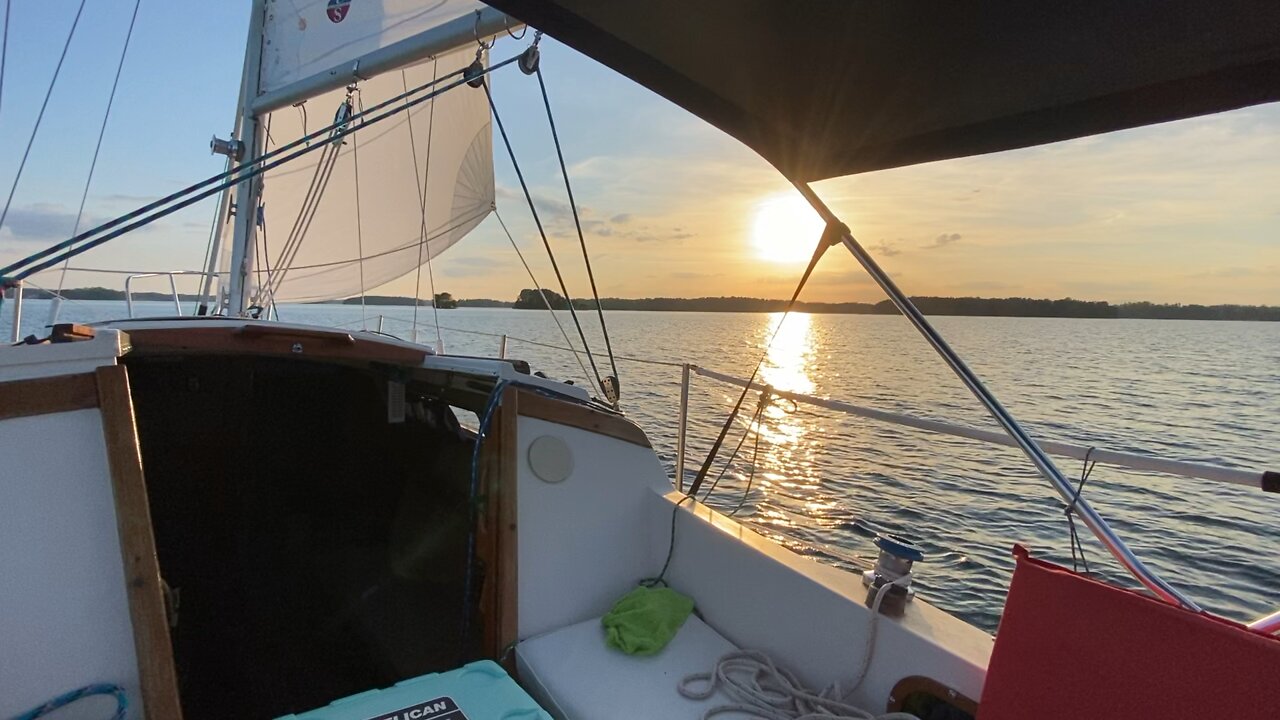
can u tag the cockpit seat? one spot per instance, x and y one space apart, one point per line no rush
575 676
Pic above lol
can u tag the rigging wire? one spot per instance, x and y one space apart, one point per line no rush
355 161
545 301
830 236
1085 471
4 47
423 183
93 164
542 232
192 194
206 288
577 223
44 105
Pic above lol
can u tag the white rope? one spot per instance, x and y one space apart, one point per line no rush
760 689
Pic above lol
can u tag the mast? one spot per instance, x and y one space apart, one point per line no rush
251 138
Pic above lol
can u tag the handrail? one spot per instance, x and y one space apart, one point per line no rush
173 285
1258 480
17 309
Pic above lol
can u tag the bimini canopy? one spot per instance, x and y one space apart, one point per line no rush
823 88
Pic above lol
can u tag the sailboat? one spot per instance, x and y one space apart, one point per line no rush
224 515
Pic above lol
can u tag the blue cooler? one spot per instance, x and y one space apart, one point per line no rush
479 691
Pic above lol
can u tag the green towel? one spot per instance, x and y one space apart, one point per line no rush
644 620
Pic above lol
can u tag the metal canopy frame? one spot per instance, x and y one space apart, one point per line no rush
1043 464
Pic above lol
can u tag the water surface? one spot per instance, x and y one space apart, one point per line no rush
824 483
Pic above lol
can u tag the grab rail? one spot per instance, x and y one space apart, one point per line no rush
173 285
17 308
1268 481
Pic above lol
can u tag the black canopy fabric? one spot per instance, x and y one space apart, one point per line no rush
823 88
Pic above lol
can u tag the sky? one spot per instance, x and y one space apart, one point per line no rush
1181 212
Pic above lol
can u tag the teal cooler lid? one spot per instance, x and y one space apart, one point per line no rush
478 691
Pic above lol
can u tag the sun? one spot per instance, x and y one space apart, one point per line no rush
785 229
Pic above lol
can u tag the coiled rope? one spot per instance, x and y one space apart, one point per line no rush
122 702
760 689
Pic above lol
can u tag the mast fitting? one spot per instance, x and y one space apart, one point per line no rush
233 149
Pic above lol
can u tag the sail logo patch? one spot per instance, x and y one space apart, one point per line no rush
337 10
442 708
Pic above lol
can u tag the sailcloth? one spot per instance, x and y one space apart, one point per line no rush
425 177
302 38
364 236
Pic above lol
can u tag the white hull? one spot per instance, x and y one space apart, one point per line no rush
557 554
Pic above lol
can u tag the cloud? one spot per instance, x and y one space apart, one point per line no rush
48 223
650 235
467 266
943 240
557 220
129 199
884 249
45 222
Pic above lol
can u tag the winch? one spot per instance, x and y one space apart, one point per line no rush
893 566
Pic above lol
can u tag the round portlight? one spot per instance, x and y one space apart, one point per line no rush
550 459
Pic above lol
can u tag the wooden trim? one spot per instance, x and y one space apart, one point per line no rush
508 517
156 672
908 686
563 412
300 343
329 336
42 396
497 535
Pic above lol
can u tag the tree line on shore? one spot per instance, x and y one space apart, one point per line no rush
929 305
533 299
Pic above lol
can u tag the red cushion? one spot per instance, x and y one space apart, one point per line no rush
1071 648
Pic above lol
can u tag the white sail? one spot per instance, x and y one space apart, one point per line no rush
306 37
362 237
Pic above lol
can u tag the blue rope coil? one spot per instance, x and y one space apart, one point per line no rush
122 702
